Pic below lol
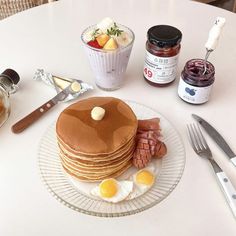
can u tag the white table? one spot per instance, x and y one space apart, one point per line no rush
49 37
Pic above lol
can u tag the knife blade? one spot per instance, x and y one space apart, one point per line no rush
217 137
40 111
62 95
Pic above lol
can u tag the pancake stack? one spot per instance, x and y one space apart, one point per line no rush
92 150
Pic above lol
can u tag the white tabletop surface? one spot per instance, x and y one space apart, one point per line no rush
48 37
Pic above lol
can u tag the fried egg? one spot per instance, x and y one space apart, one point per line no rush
143 180
111 190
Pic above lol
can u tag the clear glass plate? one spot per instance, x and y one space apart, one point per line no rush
63 189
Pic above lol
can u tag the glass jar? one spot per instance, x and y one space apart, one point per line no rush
162 51
195 82
8 80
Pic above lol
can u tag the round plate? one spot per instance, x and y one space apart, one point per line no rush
64 190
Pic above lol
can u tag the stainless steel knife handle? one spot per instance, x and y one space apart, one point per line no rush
32 117
228 190
233 160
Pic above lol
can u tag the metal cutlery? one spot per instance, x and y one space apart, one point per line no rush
216 136
202 149
39 112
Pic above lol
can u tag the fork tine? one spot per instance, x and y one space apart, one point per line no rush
198 137
202 138
192 138
198 141
198 144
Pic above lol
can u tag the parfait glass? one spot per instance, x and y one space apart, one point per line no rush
108 66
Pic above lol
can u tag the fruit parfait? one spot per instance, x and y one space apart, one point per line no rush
108 46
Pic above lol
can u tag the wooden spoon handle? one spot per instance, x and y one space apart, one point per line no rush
32 117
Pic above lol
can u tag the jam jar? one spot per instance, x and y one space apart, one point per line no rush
196 81
162 51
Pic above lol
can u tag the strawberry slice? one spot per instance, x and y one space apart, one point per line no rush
94 44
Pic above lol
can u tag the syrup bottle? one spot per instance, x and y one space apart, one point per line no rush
8 85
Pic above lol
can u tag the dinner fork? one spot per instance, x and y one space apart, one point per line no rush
202 149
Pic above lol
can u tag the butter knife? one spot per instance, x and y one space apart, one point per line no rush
217 137
40 111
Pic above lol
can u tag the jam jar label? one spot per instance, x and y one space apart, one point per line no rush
192 94
160 70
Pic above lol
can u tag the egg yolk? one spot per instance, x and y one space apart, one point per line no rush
144 177
108 188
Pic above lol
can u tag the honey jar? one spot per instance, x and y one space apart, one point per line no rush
8 81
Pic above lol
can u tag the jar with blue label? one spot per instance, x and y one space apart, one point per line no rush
196 81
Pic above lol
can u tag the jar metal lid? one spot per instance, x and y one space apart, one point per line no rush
12 75
164 36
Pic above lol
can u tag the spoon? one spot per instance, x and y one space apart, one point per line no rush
213 38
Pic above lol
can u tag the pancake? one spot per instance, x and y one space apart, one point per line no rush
96 178
93 150
78 130
93 158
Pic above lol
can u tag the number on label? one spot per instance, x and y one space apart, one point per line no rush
148 72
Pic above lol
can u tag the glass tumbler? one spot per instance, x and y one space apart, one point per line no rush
109 66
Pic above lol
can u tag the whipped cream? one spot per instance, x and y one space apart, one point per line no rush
108 26
105 24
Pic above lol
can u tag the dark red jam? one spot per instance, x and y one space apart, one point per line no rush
193 73
162 49
196 81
